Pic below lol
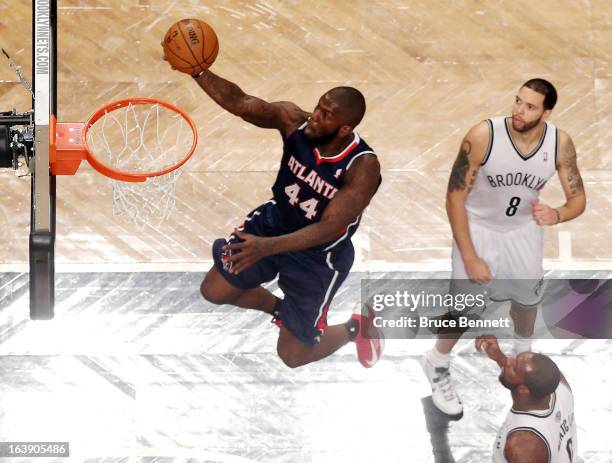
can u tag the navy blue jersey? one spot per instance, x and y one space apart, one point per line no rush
307 182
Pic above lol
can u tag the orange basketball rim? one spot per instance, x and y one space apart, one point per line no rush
68 143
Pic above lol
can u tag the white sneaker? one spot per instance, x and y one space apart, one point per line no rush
443 394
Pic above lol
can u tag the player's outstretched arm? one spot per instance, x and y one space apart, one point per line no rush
571 180
463 174
525 447
282 115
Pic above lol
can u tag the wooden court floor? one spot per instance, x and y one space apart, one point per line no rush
429 71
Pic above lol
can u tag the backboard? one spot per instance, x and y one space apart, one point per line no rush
42 228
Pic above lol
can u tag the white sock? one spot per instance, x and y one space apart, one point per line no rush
521 344
437 358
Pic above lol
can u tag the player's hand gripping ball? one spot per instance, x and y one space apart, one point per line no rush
190 46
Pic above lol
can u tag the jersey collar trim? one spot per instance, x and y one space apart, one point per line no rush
535 150
340 156
539 413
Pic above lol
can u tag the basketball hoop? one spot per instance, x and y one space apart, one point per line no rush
140 142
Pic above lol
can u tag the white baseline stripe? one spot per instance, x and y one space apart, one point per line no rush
205 264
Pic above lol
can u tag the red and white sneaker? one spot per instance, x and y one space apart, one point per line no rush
370 341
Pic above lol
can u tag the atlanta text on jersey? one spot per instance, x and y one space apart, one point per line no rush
311 178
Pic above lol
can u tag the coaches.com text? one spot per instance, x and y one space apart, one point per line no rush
413 301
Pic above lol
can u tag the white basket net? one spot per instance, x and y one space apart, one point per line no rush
141 138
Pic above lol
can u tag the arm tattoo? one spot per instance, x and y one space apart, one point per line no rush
574 179
460 169
284 116
225 93
259 109
472 179
250 108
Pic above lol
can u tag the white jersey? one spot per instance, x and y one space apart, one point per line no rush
555 426
507 182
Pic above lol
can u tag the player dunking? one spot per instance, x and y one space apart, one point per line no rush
492 205
540 426
327 177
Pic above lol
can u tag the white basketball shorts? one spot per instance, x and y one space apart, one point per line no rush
514 258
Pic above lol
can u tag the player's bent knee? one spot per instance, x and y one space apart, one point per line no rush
213 290
292 356
209 293
291 359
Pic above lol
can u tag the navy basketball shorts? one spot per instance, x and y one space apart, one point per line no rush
309 279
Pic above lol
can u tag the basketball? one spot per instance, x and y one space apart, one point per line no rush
190 46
